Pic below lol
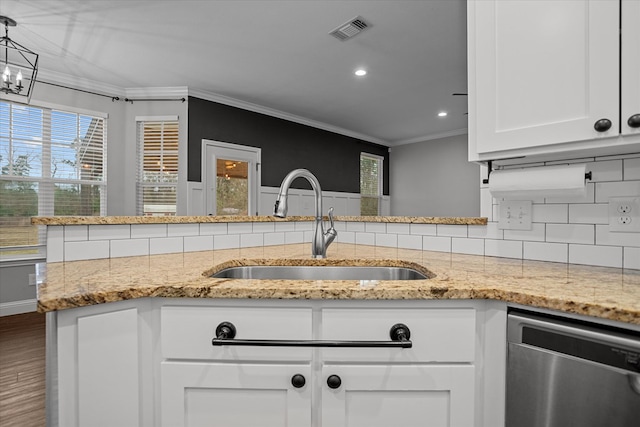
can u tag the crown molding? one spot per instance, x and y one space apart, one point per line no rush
233 102
454 132
48 76
157 92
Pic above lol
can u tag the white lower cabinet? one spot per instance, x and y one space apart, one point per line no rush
233 395
398 395
151 362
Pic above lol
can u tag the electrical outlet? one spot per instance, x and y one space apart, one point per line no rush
624 214
515 215
32 279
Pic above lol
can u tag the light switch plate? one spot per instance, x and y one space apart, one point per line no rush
624 214
515 215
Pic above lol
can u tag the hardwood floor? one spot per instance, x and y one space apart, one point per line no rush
22 370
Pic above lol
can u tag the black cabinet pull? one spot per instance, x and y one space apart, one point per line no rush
298 380
634 121
334 381
226 332
602 125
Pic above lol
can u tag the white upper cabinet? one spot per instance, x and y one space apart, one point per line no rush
547 77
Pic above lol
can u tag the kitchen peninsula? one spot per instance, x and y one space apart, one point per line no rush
134 332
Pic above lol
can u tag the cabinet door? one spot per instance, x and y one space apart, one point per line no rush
541 72
233 395
399 395
630 64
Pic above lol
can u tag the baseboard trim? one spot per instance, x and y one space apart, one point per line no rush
18 307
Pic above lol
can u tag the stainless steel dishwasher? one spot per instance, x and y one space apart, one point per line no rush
563 373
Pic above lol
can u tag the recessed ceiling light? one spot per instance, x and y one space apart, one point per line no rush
442 114
360 72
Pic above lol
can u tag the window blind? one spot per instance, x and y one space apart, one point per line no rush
157 167
52 162
370 184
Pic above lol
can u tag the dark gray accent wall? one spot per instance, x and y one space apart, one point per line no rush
286 145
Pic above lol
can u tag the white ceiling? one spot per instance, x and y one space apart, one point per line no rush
275 55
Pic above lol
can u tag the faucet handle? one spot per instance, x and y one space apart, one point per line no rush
331 216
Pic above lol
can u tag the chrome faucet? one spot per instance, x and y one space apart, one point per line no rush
321 239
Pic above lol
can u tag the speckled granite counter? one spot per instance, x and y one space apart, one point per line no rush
607 293
101 220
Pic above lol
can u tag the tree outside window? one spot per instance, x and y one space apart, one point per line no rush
370 184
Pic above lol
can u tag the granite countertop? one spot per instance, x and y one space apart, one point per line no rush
102 220
608 293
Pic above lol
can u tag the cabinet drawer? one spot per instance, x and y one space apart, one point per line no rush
187 331
438 335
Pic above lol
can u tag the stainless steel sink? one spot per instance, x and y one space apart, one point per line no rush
320 273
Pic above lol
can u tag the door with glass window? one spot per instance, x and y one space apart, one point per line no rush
231 178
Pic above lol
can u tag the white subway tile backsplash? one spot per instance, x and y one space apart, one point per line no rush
435 243
198 243
55 243
226 241
631 258
347 237
141 231
109 232
605 256
294 237
365 238
489 231
166 245
74 233
557 213
251 240
355 226
610 170
175 230
387 240
588 197
631 169
271 239
375 227
239 227
536 234
604 190
88 249
264 227
467 246
130 247
503 248
451 230
407 241
285 226
555 252
209 229
395 228
589 213
304 225
616 238
571 233
486 204
423 229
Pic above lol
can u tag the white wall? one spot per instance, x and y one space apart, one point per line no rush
434 178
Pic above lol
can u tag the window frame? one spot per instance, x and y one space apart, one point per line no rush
46 182
380 161
140 159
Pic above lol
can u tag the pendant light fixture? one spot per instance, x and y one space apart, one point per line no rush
19 65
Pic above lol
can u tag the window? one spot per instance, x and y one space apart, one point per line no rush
370 184
52 162
157 166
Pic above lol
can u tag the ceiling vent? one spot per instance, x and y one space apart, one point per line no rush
350 29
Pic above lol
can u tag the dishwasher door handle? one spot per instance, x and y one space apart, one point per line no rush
399 334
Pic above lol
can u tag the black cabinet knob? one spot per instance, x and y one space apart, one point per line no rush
602 125
634 121
298 381
334 381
